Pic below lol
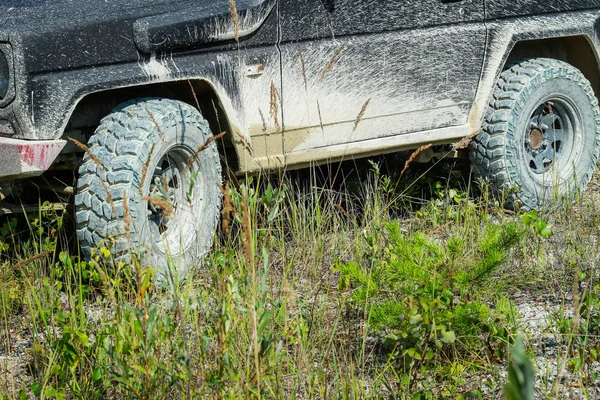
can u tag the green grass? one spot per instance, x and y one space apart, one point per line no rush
316 290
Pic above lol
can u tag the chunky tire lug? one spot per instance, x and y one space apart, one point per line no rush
508 150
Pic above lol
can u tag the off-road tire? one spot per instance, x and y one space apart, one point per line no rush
118 172
503 152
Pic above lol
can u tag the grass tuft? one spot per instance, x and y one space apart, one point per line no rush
383 284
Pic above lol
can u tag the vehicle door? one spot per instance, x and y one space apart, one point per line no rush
355 70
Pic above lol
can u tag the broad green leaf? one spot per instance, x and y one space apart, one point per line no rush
546 232
405 380
36 388
448 337
97 373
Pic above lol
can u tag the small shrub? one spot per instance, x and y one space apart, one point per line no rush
418 292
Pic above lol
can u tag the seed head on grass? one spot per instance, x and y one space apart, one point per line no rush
194 94
246 145
247 229
275 108
88 152
361 114
164 205
235 18
160 132
127 218
194 156
109 198
105 281
320 117
30 260
413 156
227 208
341 209
333 59
464 142
303 66
145 169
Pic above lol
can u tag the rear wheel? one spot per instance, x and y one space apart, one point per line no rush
144 186
541 134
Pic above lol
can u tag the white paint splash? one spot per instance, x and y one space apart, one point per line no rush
157 69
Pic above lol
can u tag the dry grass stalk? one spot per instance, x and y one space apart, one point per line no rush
289 293
246 224
30 260
320 117
109 198
439 229
216 111
105 281
341 209
194 156
194 94
464 142
248 245
227 208
165 184
164 205
333 59
255 344
361 114
145 169
88 152
303 66
160 132
275 108
127 218
235 18
413 156
246 145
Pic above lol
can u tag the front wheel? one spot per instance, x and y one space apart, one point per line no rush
541 134
148 185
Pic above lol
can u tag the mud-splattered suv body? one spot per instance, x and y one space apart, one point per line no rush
289 83
291 90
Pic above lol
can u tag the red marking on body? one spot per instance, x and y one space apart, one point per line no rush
27 154
37 155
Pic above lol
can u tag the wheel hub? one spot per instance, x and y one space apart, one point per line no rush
536 138
546 135
166 187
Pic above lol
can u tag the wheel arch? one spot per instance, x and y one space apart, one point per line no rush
578 51
199 93
509 43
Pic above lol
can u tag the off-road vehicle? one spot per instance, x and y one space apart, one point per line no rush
150 99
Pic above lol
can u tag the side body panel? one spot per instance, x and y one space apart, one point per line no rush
501 38
395 67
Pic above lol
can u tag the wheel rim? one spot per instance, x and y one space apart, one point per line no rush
171 213
549 139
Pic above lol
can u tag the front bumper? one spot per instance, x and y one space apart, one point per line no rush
26 158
